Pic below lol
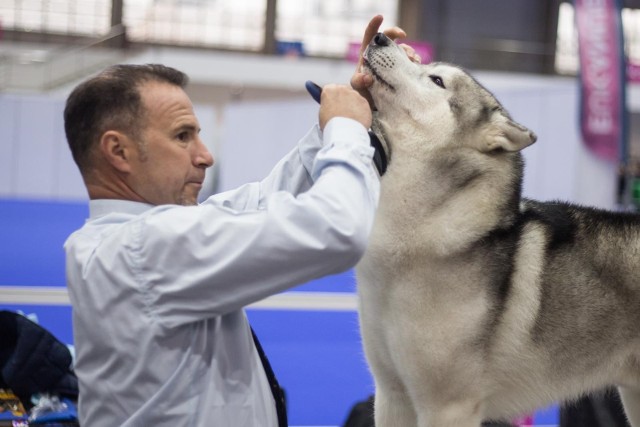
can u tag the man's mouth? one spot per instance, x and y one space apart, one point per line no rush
377 76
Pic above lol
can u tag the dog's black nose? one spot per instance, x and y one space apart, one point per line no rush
381 40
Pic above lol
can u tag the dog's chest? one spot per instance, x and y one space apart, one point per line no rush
413 255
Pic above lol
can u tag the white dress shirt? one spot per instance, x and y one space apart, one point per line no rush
158 292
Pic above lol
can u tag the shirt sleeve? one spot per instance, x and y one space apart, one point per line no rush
292 174
197 262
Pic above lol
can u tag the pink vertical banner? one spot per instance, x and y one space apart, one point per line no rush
602 77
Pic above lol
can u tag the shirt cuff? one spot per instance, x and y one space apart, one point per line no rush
345 141
341 130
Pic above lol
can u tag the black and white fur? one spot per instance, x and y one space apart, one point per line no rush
476 304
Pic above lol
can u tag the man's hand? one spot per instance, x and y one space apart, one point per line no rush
342 101
361 81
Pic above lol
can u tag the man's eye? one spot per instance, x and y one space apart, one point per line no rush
183 136
437 80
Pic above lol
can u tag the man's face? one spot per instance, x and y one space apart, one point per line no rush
169 163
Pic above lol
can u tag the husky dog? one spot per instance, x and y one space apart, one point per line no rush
476 304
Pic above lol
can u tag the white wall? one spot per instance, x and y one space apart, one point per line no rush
258 134
35 161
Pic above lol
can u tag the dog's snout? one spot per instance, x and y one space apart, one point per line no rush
381 40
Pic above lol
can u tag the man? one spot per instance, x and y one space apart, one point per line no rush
158 283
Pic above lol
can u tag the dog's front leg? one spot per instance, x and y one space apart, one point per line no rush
452 414
631 402
393 409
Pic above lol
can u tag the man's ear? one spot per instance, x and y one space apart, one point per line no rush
116 148
503 133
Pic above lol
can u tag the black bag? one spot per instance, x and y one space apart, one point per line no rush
361 414
33 361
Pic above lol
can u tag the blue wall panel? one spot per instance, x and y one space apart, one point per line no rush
32 235
318 359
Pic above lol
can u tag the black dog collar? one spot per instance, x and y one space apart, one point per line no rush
379 155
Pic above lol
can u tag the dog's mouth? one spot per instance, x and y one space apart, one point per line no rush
379 140
377 75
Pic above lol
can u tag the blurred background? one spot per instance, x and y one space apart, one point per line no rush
248 61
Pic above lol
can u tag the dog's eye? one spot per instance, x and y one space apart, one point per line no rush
437 80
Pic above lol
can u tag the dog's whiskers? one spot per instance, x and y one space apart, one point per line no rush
377 76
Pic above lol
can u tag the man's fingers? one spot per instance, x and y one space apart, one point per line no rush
394 33
374 27
342 101
361 81
411 53
372 30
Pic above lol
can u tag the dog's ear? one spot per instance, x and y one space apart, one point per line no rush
503 133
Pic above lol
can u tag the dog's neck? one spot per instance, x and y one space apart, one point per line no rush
458 196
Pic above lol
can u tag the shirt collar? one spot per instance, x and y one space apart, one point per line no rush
101 207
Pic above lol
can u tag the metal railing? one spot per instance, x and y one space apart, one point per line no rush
35 69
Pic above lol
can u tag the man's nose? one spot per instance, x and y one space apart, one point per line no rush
203 157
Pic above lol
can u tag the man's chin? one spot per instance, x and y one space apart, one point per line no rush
190 194
189 199
190 202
